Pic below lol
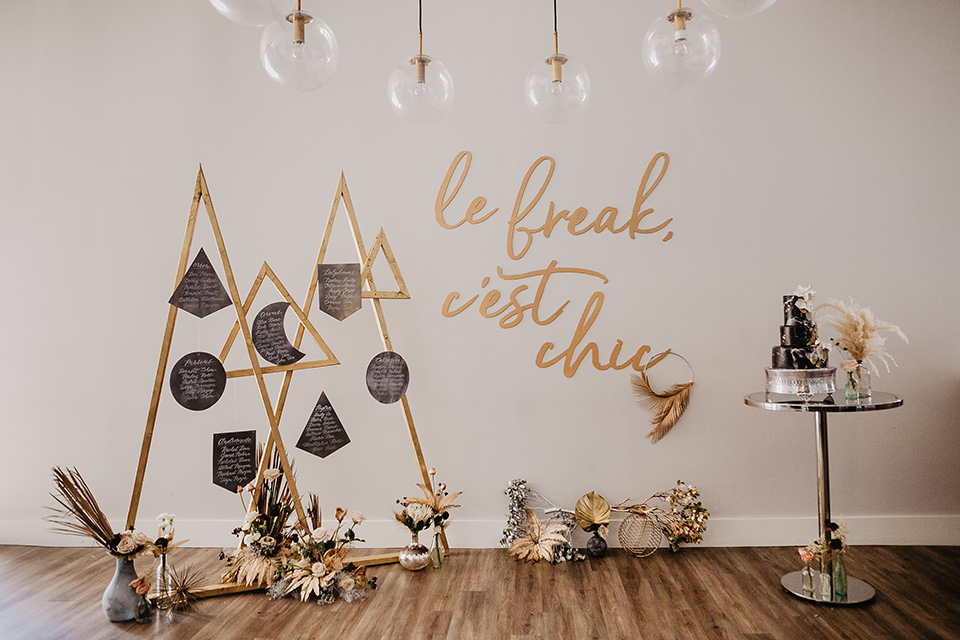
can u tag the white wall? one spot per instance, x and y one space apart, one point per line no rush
823 151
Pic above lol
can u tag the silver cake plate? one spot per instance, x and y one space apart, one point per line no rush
804 383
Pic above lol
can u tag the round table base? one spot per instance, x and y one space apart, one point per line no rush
857 590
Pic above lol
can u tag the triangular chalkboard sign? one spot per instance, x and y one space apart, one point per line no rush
200 291
324 432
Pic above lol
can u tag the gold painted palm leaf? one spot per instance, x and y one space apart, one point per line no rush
592 511
667 407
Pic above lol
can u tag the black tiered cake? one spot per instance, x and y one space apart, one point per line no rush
798 339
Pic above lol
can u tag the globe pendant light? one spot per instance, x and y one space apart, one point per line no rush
738 8
420 89
299 51
250 13
557 90
681 50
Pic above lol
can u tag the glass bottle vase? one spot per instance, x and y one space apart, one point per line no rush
162 599
857 386
839 577
436 553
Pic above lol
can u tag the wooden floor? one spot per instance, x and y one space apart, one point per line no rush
698 593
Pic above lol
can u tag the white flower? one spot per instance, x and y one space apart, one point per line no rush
347 582
419 512
357 517
318 568
248 539
272 474
322 535
804 298
849 365
255 536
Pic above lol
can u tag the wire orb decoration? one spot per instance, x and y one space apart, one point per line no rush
640 535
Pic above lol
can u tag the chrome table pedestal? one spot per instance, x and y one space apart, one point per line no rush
857 590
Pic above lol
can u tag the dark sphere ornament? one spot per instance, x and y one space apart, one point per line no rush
596 545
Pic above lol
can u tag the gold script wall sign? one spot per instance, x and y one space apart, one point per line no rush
519 240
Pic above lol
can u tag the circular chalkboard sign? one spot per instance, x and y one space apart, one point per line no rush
197 380
387 377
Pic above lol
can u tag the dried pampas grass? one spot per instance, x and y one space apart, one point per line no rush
860 332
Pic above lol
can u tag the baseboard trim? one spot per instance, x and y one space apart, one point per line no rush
929 530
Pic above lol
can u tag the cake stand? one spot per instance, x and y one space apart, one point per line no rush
857 590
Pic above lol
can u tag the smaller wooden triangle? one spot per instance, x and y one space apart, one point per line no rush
267 272
402 293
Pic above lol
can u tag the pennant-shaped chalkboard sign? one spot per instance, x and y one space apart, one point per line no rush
387 377
324 432
338 289
234 459
200 291
197 380
270 338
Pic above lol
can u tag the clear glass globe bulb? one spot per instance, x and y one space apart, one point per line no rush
679 61
251 13
558 89
299 65
738 8
420 89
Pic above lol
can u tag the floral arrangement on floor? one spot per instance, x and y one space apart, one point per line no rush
532 532
315 564
78 514
432 510
820 550
683 518
291 562
859 334
688 516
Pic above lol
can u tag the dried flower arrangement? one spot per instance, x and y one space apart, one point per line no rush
291 562
433 509
821 550
520 526
684 522
859 334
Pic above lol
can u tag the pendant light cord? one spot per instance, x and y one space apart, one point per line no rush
556 40
420 25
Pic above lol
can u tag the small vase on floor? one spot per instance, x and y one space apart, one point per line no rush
840 577
414 556
596 545
826 586
120 600
436 553
806 580
163 583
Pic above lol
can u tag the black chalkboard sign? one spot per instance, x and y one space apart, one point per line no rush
324 432
338 289
197 380
234 459
270 338
200 291
387 377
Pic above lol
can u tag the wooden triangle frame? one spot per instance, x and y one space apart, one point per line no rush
365 273
202 194
267 272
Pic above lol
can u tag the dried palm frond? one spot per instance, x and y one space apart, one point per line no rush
592 511
251 568
667 407
540 540
78 514
860 332
183 584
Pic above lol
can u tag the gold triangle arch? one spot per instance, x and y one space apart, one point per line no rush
202 194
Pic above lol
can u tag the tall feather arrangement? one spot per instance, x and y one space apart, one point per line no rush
859 332
667 407
78 514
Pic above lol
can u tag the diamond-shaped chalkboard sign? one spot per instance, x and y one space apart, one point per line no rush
324 432
200 291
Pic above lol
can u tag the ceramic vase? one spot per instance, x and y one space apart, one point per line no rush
596 545
120 600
